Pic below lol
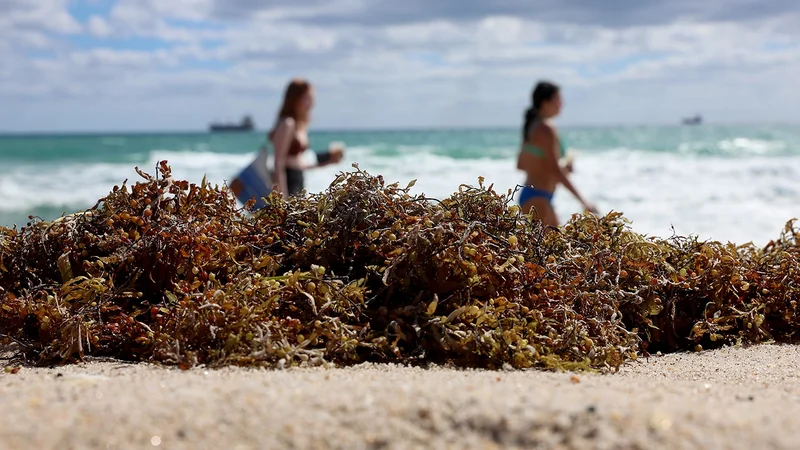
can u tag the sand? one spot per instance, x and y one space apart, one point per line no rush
729 398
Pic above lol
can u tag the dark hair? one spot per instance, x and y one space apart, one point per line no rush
544 91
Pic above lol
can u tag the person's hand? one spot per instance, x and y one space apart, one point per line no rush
568 162
336 155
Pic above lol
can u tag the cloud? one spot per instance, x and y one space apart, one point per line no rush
140 12
31 25
40 15
382 63
617 13
99 27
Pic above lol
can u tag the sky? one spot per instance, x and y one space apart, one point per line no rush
125 65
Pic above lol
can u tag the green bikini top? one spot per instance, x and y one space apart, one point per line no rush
539 152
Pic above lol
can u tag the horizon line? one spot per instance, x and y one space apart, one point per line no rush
31 133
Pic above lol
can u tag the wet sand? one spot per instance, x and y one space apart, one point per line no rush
729 398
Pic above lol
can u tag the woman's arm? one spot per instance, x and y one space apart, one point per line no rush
281 141
552 161
519 158
323 158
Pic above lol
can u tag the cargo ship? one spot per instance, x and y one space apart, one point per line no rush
245 125
696 120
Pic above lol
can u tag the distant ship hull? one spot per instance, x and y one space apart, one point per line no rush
697 120
229 128
245 125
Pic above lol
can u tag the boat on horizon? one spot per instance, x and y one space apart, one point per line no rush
245 125
696 120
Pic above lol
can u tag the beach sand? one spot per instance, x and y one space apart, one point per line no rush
728 398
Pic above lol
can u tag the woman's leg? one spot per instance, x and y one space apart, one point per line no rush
294 180
554 222
541 209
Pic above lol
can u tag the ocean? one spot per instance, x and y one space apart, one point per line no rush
728 183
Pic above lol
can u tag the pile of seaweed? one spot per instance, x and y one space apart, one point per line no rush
177 273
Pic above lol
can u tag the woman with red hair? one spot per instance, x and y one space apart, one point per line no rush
289 139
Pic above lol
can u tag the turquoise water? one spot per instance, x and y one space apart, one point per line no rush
725 182
465 144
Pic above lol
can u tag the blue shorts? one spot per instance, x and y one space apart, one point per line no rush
529 192
253 186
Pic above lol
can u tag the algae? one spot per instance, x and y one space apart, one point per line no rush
176 273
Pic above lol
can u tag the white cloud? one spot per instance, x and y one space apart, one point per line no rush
154 10
149 17
40 15
28 39
31 25
103 58
432 72
434 34
294 10
99 26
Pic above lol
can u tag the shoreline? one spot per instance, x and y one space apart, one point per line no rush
732 397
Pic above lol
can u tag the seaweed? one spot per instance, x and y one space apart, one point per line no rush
176 273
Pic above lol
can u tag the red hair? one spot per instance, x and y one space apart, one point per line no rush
296 89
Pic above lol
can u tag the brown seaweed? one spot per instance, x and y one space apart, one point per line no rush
176 273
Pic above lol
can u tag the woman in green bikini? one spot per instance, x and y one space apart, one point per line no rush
540 155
